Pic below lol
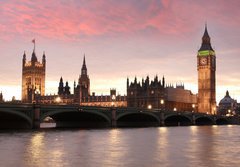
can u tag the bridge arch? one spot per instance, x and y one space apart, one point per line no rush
137 119
177 120
14 119
75 118
222 121
204 120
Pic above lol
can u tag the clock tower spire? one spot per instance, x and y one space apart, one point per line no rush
206 66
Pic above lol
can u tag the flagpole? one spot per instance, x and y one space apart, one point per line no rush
33 41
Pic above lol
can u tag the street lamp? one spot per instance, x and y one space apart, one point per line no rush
58 99
174 109
214 110
162 103
193 106
149 106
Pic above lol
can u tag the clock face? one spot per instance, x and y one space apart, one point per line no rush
203 61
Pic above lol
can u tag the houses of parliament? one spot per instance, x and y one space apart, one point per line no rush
151 94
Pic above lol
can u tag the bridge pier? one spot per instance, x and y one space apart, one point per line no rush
36 116
113 118
193 119
214 120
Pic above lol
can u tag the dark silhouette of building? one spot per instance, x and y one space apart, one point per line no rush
228 106
156 94
1 98
33 77
82 90
81 93
63 90
206 65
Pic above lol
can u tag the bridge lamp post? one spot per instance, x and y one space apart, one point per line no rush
214 110
149 107
174 109
113 100
162 104
36 96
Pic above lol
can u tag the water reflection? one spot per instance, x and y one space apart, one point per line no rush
36 146
164 146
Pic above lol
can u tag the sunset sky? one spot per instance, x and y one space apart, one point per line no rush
120 39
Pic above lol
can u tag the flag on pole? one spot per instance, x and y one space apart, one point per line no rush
33 41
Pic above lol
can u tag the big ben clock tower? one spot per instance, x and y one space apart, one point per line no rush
206 65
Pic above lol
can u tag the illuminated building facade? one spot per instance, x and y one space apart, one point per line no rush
155 94
206 65
33 77
81 94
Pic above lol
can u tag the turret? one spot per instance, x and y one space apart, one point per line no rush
44 59
24 58
135 80
1 97
67 89
147 81
74 84
61 87
163 81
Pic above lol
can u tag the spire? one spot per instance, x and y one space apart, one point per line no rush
227 94
84 62
206 44
24 55
163 81
205 35
84 67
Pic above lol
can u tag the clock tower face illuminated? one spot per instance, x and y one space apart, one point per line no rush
206 76
203 61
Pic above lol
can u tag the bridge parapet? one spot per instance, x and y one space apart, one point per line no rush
112 115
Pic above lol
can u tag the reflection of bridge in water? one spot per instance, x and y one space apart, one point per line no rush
30 116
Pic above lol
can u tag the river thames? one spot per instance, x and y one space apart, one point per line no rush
191 146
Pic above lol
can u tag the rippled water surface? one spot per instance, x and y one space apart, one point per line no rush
138 147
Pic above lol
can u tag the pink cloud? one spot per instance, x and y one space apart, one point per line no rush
70 20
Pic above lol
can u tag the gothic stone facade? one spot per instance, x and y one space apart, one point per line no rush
33 77
155 94
206 66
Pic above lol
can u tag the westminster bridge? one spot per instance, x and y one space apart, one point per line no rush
27 116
